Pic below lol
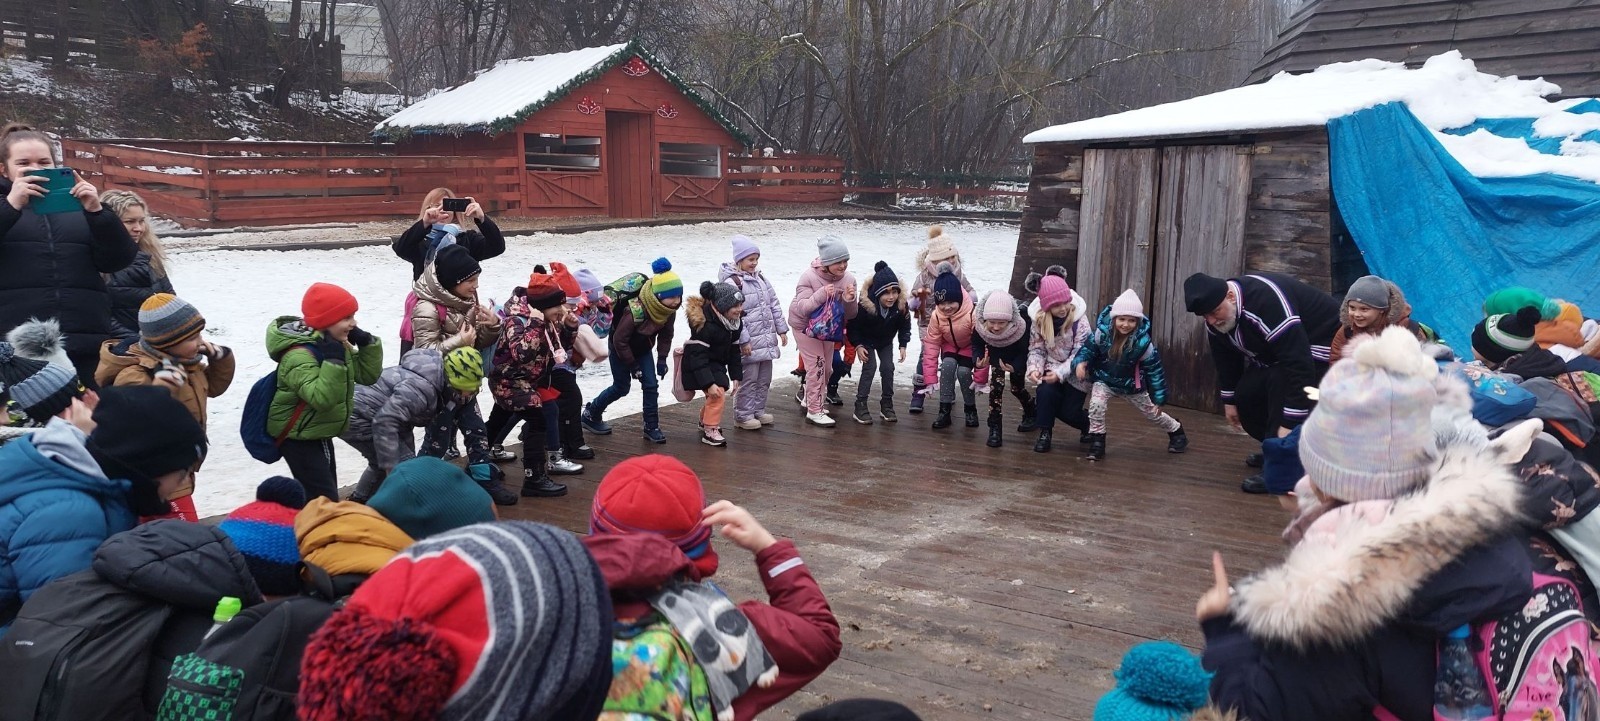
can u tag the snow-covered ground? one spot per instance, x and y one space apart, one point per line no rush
240 292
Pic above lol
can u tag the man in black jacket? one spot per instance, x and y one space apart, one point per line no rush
1269 336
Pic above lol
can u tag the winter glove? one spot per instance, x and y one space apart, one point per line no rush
480 472
661 368
637 375
331 349
360 338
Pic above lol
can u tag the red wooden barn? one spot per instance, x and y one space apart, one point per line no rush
607 130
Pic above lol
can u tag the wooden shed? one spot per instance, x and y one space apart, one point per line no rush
1558 40
600 131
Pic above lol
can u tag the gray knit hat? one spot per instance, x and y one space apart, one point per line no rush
1370 436
830 250
1369 290
723 296
39 389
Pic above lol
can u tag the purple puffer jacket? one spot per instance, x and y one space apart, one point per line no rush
763 315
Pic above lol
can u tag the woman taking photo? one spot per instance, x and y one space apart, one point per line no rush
131 286
436 228
50 264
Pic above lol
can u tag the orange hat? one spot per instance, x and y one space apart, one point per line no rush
325 304
543 290
565 280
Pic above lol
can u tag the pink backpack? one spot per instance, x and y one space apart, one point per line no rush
1538 663
406 333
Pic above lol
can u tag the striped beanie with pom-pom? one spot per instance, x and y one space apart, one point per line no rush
656 494
1158 681
490 622
664 283
263 530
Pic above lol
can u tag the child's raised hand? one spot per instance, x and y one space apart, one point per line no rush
1214 602
738 526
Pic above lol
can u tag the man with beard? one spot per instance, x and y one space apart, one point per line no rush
1269 337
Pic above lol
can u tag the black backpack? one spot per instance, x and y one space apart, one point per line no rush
249 670
85 649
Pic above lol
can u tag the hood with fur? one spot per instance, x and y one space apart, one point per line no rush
869 304
1366 565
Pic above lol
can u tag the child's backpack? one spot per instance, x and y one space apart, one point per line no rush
624 289
249 669
261 445
1496 400
407 333
654 674
1536 663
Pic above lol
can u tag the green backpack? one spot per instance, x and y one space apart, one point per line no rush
654 675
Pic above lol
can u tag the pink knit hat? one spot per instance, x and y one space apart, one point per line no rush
998 306
1053 291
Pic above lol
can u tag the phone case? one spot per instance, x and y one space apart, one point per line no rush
59 199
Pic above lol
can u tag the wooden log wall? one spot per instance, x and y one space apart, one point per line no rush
1291 204
1049 234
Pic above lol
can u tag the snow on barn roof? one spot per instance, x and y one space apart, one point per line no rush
1446 93
503 96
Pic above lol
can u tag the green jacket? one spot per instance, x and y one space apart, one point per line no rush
327 387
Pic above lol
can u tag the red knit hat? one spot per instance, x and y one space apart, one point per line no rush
325 304
656 494
564 280
543 291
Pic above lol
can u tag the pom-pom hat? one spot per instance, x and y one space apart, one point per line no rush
41 390
1158 681
1499 337
263 530
665 284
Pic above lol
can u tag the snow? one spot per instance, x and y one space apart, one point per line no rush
1446 92
240 292
501 92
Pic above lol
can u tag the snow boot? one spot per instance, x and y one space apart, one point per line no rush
1030 414
654 435
501 455
558 465
970 414
862 415
1043 444
497 490
1085 438
995 421
712 436
917 397
537 484
943 421
1177 441
1097 447
886 410
581 453
832 397
593 423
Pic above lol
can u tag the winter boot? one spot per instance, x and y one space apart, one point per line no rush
862 415
1030 414
560 466
1097 447
592 421
832 397
712 436
917 396
971 416
497 490
581 453
943 421
1085 438
654 435
886 410
501 455
995 422
1043 444
537 484
1177 441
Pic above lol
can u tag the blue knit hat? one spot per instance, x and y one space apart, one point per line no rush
426 496
40 389
946 287
263 531
1158 681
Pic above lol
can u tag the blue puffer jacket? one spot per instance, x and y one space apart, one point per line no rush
53 514
1139 368
763 314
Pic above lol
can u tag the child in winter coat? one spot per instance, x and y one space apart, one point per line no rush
170 353
563 430
939 249
1001 346
1121 360
1059 330
650 531
711 359
826 281
65 491
322 356
883 318
645 320
522 375
765 333
447 315
1371 305
947 349
1408 532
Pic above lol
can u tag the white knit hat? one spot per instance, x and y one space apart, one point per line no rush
1127 304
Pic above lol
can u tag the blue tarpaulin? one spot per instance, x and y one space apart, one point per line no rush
1448 238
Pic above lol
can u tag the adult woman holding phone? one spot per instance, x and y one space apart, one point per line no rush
436 224
54 248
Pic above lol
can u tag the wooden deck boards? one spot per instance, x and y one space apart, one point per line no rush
972 582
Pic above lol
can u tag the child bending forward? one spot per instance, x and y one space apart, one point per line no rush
1123 361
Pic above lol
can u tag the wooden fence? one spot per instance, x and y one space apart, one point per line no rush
220 183
785 179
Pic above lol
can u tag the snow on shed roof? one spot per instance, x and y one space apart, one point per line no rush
1446 92
506 94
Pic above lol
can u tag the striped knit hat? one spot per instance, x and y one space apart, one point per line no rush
263 531
39 389
166 320
1499 337
665 283
493 622
656 494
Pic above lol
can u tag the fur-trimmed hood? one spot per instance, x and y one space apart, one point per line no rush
1366 565
694 309
870 303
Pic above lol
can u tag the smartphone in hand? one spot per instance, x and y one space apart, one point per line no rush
456 205
58 186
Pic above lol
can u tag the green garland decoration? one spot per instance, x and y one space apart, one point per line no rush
510 122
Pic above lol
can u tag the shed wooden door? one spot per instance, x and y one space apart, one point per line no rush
1204 194
1116 232
630 165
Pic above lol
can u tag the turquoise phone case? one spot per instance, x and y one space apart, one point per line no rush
59 199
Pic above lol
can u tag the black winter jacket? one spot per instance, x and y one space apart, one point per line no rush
129 289
484 243
871 329
50 267
1283 323
715 358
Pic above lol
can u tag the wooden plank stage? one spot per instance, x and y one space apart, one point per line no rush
972 582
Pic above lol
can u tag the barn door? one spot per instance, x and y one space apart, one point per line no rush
1116 231
630 165
1204 197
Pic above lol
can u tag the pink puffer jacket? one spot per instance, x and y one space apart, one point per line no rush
809 295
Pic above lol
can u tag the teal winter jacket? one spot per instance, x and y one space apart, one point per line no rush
1137 370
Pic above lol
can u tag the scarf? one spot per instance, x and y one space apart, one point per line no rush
725 643
647 304
163 355
728 323
1004 339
